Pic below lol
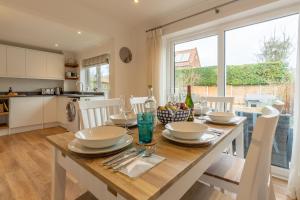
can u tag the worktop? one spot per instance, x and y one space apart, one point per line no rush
66 94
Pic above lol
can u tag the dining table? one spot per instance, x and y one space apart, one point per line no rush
170 179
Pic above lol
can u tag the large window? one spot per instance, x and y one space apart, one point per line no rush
196 64
97 78
251 61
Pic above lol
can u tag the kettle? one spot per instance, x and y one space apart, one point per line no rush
58 90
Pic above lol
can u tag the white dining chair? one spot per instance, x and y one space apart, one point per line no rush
250 179
220 104
96 113
137 104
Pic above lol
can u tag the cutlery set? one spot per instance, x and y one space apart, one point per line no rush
125 158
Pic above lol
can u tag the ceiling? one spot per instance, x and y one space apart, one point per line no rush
44 23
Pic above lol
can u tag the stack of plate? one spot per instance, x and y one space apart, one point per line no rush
100 140
222 118
120 120
188 133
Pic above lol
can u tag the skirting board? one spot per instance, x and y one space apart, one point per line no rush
33 127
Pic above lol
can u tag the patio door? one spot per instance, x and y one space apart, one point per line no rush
260 61
195 63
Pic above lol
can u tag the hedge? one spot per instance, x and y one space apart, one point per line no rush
248 74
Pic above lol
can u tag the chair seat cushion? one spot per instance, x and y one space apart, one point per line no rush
228 168
202 191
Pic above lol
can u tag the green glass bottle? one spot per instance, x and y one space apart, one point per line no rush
189 102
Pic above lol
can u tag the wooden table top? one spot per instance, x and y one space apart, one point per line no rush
148 186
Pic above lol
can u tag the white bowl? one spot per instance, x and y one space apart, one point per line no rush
220 116
186 130
120 119
100 137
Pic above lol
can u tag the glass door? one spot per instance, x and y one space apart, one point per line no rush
196 64
260 63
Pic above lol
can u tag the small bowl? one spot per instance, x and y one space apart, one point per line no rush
186 130
100 137
119 119
221 116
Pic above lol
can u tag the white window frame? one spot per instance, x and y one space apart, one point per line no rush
219 30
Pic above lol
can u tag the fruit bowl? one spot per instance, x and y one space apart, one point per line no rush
165 116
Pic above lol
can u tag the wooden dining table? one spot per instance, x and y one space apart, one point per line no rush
170 179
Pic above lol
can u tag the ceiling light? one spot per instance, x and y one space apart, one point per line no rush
56 45
79 32
136 1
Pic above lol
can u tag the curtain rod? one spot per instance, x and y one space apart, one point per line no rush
215 8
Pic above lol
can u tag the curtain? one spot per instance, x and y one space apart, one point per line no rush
294 177
98 60
154 45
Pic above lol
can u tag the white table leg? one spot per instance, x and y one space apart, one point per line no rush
239 141
58 179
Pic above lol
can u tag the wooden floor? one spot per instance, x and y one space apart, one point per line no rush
25 168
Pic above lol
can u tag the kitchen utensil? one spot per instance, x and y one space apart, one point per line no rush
220 116
186 130
205 138
145 127
77 147
100 137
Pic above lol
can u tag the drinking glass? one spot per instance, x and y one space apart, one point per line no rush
125 112
145 127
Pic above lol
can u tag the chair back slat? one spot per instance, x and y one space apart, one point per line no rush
137 103
220 104
96 113
255 181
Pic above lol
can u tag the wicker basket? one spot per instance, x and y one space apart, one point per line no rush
165 116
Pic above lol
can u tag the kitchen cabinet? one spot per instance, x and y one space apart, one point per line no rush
25 111
15 61
50 109
2 60
55 66
61 110
35 64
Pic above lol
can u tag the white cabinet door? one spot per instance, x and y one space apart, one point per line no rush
35 64
15 62
61 109
25 111
50 109
55 66
2 60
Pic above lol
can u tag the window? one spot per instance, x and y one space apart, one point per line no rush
196 64
96 71
97 78
254 61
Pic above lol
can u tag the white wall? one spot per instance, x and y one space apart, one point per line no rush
27 85
125 79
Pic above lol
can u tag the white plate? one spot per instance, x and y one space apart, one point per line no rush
120 119
77 147
110 123
207 137
233 121
186 130
221 116
101 136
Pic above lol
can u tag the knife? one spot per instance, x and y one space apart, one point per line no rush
128 161
124 159
111 159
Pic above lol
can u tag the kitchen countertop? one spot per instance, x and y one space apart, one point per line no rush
39 94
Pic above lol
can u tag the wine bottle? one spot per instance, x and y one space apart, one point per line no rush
189 103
